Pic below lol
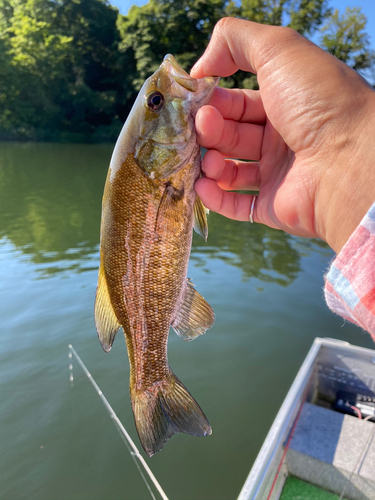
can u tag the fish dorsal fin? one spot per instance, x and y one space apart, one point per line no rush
200 219
105 319
195 315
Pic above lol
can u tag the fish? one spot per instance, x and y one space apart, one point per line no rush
149 210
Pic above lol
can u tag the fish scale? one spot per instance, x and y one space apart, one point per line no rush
149 210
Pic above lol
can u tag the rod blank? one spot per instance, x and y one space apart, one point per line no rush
122 429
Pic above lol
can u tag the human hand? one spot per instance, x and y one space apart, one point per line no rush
310 131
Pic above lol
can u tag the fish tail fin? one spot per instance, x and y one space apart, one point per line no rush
165 409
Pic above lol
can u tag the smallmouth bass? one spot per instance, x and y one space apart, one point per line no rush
149 210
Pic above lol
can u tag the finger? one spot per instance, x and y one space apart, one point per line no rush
239 105
226 52
231 174
234 139
232 205
239 44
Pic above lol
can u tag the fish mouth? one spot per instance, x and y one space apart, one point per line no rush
178 142
203 87
179 74
176 66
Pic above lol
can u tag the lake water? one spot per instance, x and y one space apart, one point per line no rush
57 439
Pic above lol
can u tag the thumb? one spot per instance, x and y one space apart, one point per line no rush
239 44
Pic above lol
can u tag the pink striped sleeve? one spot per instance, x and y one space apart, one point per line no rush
350 282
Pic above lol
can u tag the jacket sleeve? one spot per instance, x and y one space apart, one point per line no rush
350 281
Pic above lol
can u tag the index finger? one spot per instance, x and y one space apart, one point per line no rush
241 105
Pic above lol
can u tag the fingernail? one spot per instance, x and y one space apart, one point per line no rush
196 65
197 122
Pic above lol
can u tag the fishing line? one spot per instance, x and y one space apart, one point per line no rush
133 455
130 444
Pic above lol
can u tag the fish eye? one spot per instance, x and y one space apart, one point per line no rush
155 101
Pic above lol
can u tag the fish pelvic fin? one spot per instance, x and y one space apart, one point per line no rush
195 315
106 322
165 409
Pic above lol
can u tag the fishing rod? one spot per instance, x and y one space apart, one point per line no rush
127 439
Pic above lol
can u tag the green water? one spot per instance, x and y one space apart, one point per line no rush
57 441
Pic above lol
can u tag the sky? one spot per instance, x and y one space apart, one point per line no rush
367 7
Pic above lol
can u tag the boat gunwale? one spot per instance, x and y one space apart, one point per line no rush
285 417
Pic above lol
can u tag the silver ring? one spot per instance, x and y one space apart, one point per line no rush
252 208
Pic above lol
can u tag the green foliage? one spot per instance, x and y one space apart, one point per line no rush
344 37
34 52
307 15
59 68
70 69
162 26
263 11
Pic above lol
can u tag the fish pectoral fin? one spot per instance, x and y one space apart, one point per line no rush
195 315
164 410
170 197
105 319
200 219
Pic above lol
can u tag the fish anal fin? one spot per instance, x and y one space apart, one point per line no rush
200 219
165 409
195 316
106 322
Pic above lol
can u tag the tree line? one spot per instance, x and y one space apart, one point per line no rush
70 69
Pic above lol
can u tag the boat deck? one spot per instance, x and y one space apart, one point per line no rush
296 489
333 451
